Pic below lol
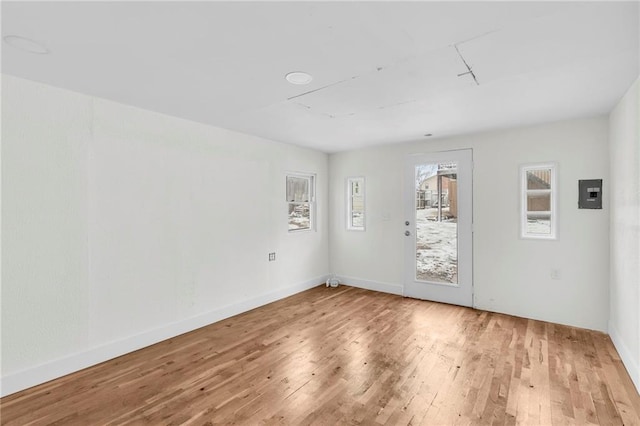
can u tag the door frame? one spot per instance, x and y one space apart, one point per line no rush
458 294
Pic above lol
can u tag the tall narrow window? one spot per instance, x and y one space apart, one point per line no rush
301 201
538 202
355 204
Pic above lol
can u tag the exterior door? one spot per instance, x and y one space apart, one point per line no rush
438 227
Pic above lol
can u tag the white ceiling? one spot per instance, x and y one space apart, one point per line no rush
384 72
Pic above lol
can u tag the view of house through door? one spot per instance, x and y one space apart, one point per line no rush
438 227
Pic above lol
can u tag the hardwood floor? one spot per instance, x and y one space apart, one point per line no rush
349 356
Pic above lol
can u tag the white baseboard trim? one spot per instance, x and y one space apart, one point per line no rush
629 362
372 285
15 382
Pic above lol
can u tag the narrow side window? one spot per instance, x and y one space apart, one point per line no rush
300 202
355 204
538 201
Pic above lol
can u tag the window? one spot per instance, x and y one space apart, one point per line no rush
538 202
301 201
355 204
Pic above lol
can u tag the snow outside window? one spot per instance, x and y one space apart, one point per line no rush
301 201
355 204
538 202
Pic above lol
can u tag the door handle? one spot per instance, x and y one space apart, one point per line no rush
407 233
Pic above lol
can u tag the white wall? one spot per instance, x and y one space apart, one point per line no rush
117 231
624 323
45 293
511 275
122 227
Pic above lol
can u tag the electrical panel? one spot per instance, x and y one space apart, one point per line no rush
590 194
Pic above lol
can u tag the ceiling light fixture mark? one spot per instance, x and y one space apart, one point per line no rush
466 65
298 77
323 87
26 44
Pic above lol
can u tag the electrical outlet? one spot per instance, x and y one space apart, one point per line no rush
272 257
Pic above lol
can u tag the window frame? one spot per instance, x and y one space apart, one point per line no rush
553 191
311 178
362 181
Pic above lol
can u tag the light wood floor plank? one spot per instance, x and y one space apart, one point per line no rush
349 356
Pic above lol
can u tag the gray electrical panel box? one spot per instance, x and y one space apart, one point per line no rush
590 194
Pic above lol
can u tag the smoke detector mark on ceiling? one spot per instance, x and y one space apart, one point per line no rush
470 71
298 77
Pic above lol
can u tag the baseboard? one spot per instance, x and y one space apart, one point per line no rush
42 373
372 285
629 362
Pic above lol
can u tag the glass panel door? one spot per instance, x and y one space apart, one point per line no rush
438 227
436 218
